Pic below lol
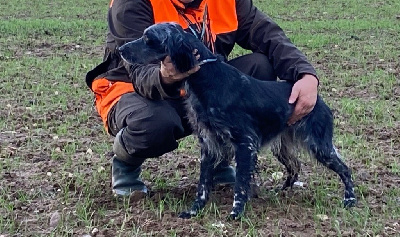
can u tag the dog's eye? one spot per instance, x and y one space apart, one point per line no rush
147 40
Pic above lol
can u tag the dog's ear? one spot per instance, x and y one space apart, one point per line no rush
181 52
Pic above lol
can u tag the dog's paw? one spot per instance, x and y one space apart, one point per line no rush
234 216
185 215
349 202
290 180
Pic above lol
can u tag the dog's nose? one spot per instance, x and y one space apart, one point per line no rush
123 52
121 48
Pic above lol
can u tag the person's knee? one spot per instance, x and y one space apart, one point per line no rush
121 152
256 65
152 133
262 67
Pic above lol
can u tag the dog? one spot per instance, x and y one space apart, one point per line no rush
234 115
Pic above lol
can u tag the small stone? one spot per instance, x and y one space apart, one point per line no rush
54 219
277 176
219 225
89 151
95 231
298 183
101 169
136 196
322 217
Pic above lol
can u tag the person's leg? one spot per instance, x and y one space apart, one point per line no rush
143 129
148 128
256 65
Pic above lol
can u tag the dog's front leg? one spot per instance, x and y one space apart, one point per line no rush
246 159
205 182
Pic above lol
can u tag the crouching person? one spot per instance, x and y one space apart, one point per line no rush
142 105
144 127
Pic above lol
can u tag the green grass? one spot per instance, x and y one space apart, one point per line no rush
54 150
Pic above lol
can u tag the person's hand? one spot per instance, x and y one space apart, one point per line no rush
169 74
304 93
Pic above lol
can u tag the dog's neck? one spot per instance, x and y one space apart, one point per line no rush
207 61
206 56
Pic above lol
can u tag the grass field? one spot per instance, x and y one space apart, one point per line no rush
55 156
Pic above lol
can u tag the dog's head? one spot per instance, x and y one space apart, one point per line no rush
159 41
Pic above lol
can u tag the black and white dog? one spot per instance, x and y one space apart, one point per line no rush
234 115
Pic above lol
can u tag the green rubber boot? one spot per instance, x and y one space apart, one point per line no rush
125 178
126 170
224 173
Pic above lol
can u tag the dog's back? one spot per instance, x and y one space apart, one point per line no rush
241 103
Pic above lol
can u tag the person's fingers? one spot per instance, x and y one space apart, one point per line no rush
304 94
295 115
294 95
194 69
167 60
292 99
168 69
302 108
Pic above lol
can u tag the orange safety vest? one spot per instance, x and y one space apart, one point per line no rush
223 19
222 14
107 94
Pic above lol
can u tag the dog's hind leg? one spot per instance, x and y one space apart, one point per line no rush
317 134
286 156
331 159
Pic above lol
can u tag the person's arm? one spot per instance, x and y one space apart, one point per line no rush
259 33
127 21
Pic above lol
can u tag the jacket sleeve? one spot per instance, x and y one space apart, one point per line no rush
259 33
127 21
